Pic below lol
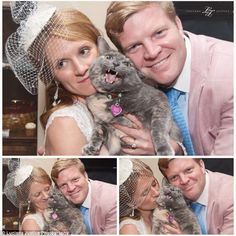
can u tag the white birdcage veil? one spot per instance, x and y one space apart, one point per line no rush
21 9
16 187
135 177
25 48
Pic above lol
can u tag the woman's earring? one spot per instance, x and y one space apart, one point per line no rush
28 207
56 101
132 213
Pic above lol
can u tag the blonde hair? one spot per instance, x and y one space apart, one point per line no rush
163 164
72 25
38 175
77 24
119 12
63 164
127 189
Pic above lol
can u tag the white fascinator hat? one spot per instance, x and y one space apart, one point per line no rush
36 21
134 177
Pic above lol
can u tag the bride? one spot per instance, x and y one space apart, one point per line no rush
58 51
28 189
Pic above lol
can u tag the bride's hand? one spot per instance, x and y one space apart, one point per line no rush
138 139
171 229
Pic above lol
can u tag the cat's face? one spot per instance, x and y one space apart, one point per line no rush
56 199
113 72
170 195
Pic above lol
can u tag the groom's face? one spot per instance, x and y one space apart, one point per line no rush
73 184
188 175
155 45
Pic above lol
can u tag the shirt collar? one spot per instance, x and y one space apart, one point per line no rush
87 201
183 82
203 199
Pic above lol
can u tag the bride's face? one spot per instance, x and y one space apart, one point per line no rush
70 62
38 195
146 193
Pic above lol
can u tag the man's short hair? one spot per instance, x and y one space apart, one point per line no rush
163 163
63 164
119 12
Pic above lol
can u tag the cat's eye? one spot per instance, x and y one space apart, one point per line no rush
168 193
108 57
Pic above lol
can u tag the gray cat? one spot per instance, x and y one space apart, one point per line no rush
120 90
61 216
172 206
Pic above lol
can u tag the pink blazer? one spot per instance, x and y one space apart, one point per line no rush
211 95
220 210
103 211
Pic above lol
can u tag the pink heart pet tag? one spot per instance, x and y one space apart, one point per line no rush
116 109
54 215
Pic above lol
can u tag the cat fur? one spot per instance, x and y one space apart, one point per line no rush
67 217
172 205
112 74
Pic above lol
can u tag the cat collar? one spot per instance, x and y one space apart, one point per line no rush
115 108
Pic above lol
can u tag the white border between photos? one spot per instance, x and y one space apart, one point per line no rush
1 158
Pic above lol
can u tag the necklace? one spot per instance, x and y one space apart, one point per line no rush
115 108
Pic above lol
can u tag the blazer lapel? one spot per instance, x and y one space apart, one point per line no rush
197 83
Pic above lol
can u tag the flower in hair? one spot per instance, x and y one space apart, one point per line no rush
126 168
35 23
22 174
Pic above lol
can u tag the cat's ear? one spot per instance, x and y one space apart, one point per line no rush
103 46
165 182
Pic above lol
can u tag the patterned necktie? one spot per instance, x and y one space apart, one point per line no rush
198 210
85 212
173 95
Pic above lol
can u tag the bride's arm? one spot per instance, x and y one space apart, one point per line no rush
64 137
30 225
129 229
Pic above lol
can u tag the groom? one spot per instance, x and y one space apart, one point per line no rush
95 199
212 190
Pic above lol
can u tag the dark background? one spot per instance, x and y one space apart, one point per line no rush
223 165
103 169
210 18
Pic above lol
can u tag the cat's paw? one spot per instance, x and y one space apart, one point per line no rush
89 150
165 151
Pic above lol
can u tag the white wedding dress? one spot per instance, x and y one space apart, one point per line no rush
139 224
37 217
80 113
